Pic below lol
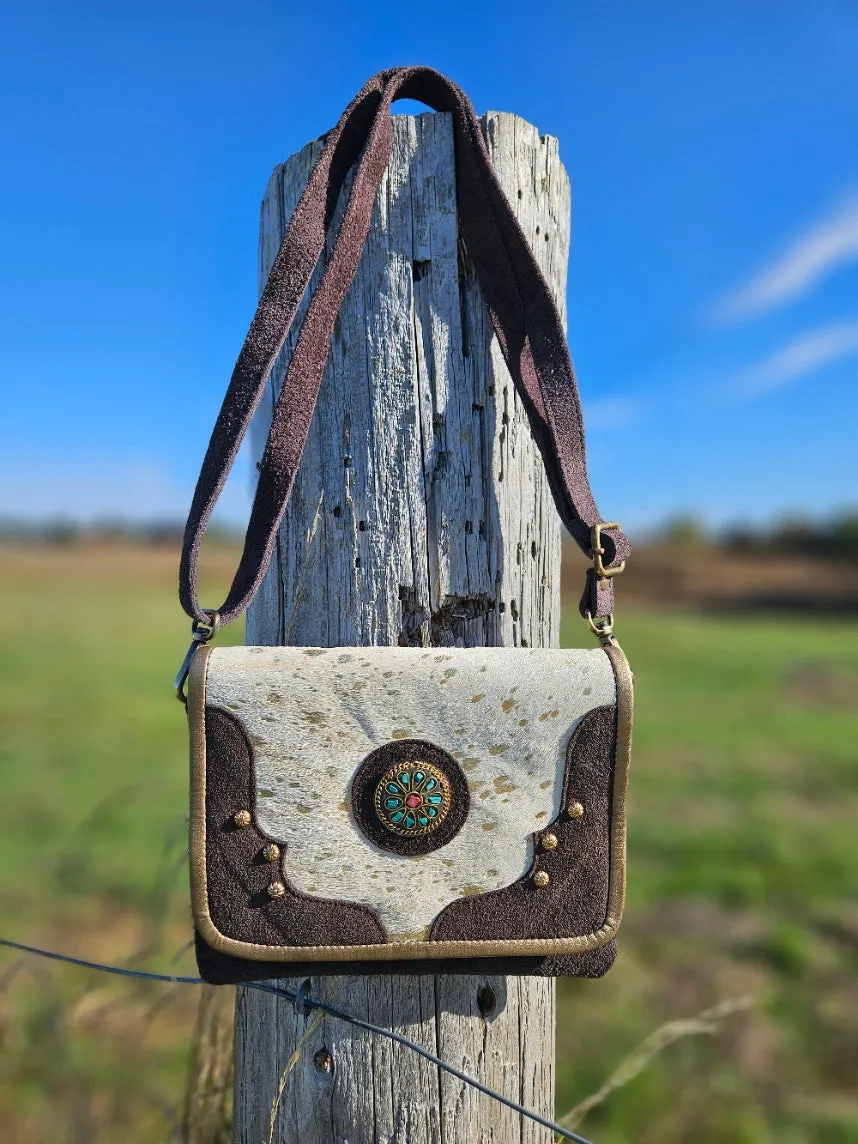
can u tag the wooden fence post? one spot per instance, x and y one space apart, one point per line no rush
421 514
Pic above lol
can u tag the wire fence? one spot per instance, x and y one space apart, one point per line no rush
304 1002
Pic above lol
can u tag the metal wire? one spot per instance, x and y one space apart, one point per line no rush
302 1002
97 965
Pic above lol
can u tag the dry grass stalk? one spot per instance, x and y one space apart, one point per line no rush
707 1022
312 1026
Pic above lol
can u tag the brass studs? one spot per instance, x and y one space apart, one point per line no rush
276 890
548 842
541 879
242 818
271 853
575 810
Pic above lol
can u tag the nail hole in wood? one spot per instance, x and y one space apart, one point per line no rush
323 1061
486 1001
361 526
338 511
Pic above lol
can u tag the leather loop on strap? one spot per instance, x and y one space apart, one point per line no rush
522 311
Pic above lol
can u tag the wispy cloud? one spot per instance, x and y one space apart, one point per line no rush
830 243
86 488
803 356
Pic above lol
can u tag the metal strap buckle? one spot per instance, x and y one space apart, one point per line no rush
604 574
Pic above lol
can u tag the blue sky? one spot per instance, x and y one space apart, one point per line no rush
713 285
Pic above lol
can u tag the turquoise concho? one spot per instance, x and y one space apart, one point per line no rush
412 799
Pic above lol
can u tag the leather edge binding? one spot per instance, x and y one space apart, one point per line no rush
409 950
197 726
622 762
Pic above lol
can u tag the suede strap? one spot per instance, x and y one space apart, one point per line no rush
522 311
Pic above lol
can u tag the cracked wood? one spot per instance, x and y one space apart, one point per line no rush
420 515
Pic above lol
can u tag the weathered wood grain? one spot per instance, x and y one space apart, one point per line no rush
208 1106
420 515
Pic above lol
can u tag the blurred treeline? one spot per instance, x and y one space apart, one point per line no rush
833 537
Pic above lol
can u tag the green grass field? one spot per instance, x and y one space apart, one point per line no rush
743 849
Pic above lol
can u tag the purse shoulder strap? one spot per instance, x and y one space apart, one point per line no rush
522 311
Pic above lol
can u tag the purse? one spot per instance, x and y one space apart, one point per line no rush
403 809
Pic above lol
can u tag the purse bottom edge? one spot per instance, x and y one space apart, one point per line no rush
222 969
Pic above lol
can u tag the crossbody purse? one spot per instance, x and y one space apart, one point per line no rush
403 809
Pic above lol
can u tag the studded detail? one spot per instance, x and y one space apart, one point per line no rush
541 879
271 853
412 799
548 842
574 810
242 818
276 890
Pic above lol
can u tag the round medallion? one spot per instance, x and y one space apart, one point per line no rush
409 796
412 799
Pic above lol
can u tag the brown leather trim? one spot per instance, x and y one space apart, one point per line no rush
411 950
575 899
238 873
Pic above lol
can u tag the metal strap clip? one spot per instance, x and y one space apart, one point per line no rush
201 633
603 627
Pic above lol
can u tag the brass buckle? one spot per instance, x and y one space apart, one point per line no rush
604 574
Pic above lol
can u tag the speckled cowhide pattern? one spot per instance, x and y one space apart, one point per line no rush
313 715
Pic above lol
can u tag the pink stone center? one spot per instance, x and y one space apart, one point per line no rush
413 801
